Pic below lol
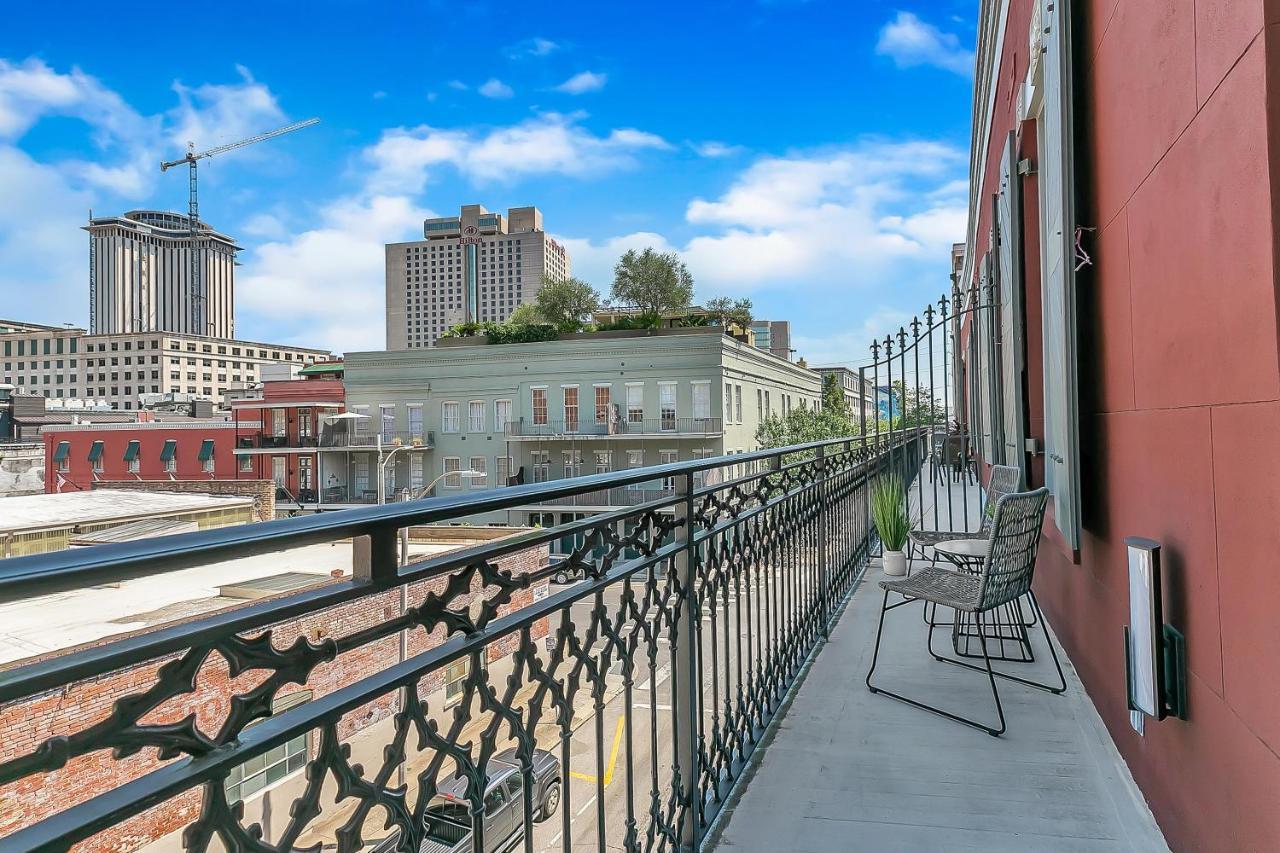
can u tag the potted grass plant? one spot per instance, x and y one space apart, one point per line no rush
889 512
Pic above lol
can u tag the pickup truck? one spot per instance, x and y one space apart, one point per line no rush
447 824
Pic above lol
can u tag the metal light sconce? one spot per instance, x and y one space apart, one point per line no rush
1155 653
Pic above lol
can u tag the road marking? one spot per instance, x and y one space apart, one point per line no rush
587 804
613 761
664 672
646 706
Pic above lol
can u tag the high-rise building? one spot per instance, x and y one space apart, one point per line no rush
774 336
140 277
472 267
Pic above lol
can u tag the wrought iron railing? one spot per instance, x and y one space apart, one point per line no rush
369 439
658 676
523 428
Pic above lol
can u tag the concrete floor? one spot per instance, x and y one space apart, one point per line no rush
848 770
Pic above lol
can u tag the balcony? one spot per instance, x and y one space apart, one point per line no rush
726 619
266 441
342 439
640 427
615 497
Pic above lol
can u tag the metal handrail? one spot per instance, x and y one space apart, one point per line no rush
525 428
811 494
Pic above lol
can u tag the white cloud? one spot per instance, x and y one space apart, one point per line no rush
532 47
458 85
327 284
851 347
216 114
495 88
593 262
864 216
42 251
379 95
550 143
583 82
909 42
713 149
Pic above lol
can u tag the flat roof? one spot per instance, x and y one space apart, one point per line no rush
36 512
52 623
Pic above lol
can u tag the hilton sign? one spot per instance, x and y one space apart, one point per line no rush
470 234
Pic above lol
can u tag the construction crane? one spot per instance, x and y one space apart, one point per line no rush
198 326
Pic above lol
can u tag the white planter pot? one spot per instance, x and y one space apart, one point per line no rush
895 563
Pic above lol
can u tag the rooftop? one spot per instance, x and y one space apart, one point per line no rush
64 620
33 512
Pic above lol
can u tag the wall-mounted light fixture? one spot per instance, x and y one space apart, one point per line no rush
1155 653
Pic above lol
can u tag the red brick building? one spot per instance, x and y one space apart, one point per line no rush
1139 286
278 436
367 729
78 455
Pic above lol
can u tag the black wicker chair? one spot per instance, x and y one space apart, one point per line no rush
1005 576
1004 480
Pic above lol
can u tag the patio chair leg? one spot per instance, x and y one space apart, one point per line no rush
1037 616
875 654
991 676
1062 682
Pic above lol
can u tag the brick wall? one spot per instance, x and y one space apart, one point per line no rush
263 492
26 724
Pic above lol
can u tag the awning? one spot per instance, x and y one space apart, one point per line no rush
170 447
64 448
206 450
131 452
95 452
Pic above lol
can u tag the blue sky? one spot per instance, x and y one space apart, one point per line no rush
808 155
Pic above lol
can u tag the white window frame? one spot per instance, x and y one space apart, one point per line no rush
635 402
451 467
415 429
417 473
635 459
572 422
572 460
451 417
602 411
502 470
604 461
480 464
540 463
501 415
737 403
206 465
279 423
534 412
663 388
477 416
246 464
701 412
306 471
667 457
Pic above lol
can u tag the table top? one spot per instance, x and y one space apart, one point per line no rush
975 548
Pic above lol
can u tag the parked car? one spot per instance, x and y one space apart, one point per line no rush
564 572
448 820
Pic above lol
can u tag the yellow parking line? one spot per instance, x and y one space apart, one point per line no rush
613 760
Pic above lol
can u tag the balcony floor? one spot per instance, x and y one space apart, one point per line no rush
847 770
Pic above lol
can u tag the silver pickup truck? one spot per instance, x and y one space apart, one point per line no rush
448 821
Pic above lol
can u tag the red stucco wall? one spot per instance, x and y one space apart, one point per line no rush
1179 390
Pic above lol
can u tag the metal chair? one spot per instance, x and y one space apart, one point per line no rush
1004 480
937 441
1005 576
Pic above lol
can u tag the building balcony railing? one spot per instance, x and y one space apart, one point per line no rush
368 439
693 427
696 610
264 441
615 497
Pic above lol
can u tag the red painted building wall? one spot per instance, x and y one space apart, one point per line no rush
151 437
303 423
1179 375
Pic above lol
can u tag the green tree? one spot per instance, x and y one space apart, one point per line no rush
803 425
526 315
654 282
727 310
916 407
567 303
833 398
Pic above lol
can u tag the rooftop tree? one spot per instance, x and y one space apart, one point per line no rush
654 282
726 311
566 303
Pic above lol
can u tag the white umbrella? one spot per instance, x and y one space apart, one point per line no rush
347 416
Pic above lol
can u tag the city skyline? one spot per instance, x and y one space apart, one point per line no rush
842 184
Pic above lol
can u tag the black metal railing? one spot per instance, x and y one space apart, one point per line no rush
266 440
658 675
523 428
369 439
